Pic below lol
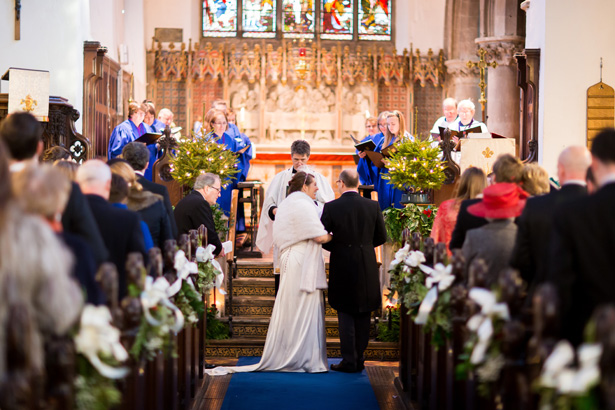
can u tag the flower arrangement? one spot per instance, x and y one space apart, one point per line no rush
413 217
210 273
434 312
562 385
200 154
99 353
187 298
416 166
389 332
216 330
483 354
160 318
407 278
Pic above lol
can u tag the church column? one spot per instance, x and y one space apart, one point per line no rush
502 90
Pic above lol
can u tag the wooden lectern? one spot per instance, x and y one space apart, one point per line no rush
482 152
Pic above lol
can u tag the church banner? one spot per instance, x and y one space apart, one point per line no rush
482 153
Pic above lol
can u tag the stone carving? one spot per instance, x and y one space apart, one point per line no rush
459 68
502 49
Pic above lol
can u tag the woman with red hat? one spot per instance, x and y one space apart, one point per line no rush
494 242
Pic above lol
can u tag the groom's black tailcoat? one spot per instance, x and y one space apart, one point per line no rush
357 227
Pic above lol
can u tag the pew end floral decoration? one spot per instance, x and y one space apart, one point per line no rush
201 154
416 166
99 359
210 272
413 217
407 278
483 351
160 318
564 384
186 297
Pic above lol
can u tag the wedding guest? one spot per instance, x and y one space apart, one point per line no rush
471 185
367 171
449 109
388 195
127 131
465 119
22 134
148 205
500 205
531 253
151 124
244 144
506 168
535 180
194 209
277 192
43 190
296 335
357 227
591 181
56 153
581 253
120 228
137 156
36 267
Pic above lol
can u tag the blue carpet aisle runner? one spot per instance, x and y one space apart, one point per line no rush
297 391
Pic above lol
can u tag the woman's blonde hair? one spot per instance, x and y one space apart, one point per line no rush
138 198
68 168
535 179
402 128
471 184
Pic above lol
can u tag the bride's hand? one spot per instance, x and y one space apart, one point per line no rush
323 238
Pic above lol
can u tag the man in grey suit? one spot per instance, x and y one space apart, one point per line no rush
357 227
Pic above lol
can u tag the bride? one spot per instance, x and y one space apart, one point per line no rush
296 339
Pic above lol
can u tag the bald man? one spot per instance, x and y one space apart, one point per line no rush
531 251
357 227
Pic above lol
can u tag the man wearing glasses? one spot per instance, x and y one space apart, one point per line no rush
194 210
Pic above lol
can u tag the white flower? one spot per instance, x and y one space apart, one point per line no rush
205 254
415 258
155 343
192 318
440 275
400 255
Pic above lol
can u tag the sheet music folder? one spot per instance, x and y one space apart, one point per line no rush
363 146
377 157
149 138
244 149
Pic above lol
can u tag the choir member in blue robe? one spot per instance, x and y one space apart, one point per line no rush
216 122
151 124
388 195
243 165
128 131
366 169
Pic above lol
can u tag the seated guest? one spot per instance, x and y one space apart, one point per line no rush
506 168
449 109
471 185
494 242
22 134
56 153
127 131
194 209
137 156
43 190
583 244
35 266
531 254
118 196
388 195
148 205
120 228
367 171
68 168
535 180
466 121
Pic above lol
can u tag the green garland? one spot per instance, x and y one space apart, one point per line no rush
414 217
220 221
416 166
407 279
200 154
92 390
189 301
216 330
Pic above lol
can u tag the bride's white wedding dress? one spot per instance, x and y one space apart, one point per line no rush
296 340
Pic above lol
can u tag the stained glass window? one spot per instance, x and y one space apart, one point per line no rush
336 19
259 18
298 18
374 19
219 18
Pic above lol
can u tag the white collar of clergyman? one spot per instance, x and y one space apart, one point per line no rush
575 182
17 166
608 179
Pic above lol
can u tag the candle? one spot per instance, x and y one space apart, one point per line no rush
242 115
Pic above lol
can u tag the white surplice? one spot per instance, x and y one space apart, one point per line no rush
296 340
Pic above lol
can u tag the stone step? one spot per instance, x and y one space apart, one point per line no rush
382 351
263 306
256 327
254 286
254 269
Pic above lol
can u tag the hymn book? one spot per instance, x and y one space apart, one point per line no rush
378 157
149 138
363 146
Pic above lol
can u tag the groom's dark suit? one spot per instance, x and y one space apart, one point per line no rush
357 227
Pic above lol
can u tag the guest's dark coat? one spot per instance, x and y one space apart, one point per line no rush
78 219
153 213
531 253
357 227
160 190
582 258
465 222
121 231
193 211
84 269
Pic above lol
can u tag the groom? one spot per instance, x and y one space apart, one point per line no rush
357 227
